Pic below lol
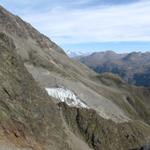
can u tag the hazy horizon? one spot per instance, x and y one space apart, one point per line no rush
118 47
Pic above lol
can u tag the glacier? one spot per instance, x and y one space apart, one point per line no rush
67 96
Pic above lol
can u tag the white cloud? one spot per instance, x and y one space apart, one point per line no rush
95 24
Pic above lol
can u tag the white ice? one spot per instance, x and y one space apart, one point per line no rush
67 96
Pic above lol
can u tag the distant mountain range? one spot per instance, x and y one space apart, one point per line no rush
132 67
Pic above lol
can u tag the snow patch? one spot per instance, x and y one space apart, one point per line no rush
67 96
72 54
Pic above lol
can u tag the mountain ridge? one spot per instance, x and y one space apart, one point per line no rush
133 67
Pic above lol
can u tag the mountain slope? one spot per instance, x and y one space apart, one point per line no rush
133 67
28 117
108 96
24 106
50 67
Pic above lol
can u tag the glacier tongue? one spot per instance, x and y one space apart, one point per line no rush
67 96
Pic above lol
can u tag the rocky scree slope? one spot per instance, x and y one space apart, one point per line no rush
29 119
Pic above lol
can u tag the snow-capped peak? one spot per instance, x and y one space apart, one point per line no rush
72 54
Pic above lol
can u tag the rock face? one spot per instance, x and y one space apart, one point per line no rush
146 147
119 114
133 67
104 134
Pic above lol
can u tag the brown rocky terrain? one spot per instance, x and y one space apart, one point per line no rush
105 134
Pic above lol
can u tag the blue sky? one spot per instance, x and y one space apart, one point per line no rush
89 25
